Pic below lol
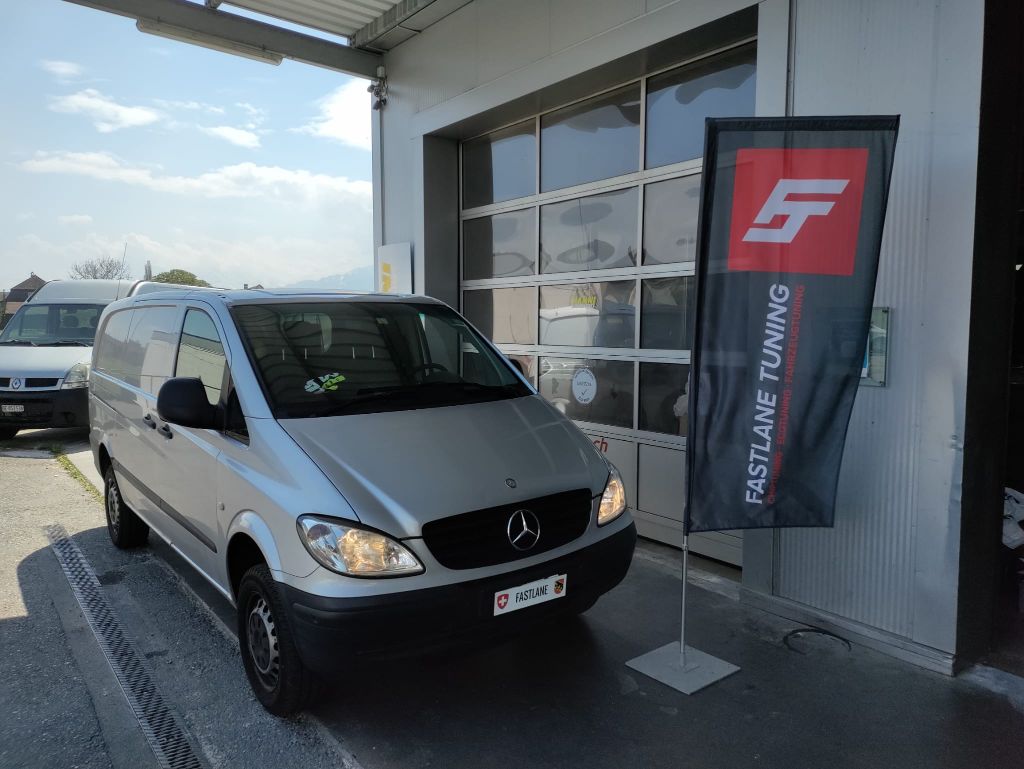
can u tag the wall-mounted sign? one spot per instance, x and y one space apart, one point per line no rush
584 386
394 268
876 356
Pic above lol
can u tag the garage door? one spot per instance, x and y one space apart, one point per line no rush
579 229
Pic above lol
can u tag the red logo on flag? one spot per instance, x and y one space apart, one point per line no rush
797 210
503 600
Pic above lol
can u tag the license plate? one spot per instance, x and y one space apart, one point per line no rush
541 591
12 408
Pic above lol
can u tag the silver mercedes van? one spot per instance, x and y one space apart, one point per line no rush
360 475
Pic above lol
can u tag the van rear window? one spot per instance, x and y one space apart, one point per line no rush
333 358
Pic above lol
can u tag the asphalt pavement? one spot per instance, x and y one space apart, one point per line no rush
561 697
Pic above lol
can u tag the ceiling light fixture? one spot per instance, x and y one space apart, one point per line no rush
182 35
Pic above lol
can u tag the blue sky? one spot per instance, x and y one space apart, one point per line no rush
239 171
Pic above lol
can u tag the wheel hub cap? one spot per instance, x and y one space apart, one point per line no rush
263 647
113 506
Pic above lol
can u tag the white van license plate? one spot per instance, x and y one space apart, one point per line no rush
531 593
12 408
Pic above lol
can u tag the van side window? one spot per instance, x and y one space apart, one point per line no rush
149 351
110 352
201 354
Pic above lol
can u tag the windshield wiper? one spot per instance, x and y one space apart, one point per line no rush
19 341
66 342
362 396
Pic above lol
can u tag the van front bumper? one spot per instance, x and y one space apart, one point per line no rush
46 408
329 632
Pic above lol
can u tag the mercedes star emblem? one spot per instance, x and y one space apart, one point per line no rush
510 482
523 529
15 383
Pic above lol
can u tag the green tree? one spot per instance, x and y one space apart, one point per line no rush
180 277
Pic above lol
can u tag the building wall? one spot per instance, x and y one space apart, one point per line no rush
890 561
888 571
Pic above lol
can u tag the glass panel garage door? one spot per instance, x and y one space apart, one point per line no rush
579 233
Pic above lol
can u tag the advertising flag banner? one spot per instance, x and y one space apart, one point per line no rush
790 231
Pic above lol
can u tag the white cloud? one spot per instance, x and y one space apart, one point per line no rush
237 136
106 114
244 180
75 219
192 106
63 70
344 116
251 110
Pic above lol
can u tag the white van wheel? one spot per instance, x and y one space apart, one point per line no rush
125 528
280 681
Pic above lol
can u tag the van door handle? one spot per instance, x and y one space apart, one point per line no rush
165 430
150 422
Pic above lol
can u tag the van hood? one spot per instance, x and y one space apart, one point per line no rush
401 469
46 362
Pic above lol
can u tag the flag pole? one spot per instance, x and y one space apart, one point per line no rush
682 621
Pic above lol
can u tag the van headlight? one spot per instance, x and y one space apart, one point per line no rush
77 376
613 501
353 551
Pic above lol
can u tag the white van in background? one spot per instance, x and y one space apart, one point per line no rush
46 348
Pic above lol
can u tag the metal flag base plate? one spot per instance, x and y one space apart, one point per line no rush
666 665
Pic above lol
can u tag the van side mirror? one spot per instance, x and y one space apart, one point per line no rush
182 401
517 366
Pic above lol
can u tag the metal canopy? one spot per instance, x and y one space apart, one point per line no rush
337 17
206 26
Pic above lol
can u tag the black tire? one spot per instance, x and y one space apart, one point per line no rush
279 679
6 433
125 528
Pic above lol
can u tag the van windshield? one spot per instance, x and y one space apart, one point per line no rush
51 325
331 358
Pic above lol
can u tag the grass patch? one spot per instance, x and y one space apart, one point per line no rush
75 473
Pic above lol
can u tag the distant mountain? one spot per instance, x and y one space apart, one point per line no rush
359 279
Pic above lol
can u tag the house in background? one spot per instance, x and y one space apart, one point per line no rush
11 301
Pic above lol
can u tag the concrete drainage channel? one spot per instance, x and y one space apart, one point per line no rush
163 733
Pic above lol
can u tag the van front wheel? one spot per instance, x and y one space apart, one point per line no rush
125 528
282 684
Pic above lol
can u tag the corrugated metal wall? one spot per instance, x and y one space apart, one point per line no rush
891 560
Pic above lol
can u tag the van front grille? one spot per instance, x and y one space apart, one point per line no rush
480 538
37 382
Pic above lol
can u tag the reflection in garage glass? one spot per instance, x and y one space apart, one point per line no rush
529 364
609 403
499 166
588 314
596 139
504 315
499 246
592 233
666 313
678 101
664 392
670 220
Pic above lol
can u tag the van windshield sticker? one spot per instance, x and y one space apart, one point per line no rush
322 384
